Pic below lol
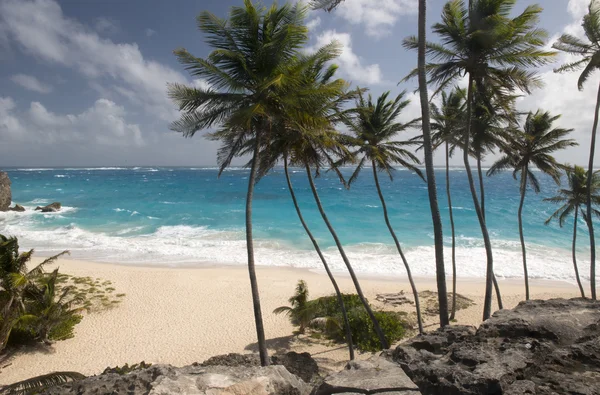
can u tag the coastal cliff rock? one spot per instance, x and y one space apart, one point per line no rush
5 194
376 375
539 347
18 208
51 208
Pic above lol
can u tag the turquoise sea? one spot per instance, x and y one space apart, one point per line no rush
188 216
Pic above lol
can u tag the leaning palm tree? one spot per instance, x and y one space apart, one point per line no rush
373 128
589 51
448 126
248 73
495 50
574 199
15 280
529 148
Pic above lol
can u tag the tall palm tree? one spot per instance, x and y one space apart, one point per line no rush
15 280
495 50
533 147
448 127
373 129
434 207
574 199
589 51
248 73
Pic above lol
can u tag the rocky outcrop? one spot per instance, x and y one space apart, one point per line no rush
51 208
374 376
18 208
5 194
192 380
539 347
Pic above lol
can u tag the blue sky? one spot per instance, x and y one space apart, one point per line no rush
83 82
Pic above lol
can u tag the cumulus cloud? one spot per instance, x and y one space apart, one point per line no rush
150 32
351 64
313 23
103 124
40 29
31 83
378 17
106 25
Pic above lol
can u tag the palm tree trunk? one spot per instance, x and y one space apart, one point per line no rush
589 221
487 303
575 253
7 322
338 294
451 214
436 218
482 194
260 330
520 215
376 326
406 266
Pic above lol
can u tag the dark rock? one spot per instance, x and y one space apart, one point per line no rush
17 208
5 193
376 375
51 208
193 379
539 347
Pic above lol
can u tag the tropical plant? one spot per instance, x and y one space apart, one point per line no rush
481 39
38 384
51 314
589 51
373 128
327 5
574 200
440 270
448 127
16 282
249 74
529 148
299 312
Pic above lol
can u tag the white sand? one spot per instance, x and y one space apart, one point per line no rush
180 316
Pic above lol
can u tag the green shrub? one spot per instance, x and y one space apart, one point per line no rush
64 329
364 336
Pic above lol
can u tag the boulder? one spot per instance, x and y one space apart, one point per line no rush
17 208
192 380
539 347
51 208
5 193
374 376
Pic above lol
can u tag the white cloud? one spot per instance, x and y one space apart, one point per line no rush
313 23
31 83
39 28
106 25
350 63
378 17
150 32
103 124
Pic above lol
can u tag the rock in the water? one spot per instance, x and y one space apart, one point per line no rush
17 208
376 375
192 380
5 194
51 208
539 347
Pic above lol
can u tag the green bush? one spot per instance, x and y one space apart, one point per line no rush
64 329
364 336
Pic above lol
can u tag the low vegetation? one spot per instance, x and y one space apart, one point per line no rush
40 306
323 318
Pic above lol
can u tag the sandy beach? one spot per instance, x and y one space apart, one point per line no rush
184 315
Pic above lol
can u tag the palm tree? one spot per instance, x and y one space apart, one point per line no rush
300 311
495 50
373 128
533 147
434 207
248 74
574 199
38 384
589 51
15 281
448 126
